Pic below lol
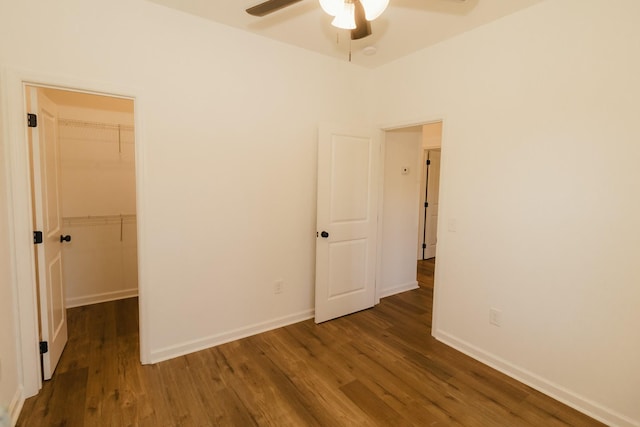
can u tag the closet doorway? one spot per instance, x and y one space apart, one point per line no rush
83 168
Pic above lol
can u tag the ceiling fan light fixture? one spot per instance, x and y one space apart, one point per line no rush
374 8
331 7
345 18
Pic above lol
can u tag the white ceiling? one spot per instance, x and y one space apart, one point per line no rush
405 27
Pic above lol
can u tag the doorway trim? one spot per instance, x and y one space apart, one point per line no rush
400 124
20 227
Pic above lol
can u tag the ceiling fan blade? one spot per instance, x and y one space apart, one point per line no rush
363 27
269 6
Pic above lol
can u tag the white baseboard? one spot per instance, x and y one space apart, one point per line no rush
225 337
543 385
15 407
398 289
98 298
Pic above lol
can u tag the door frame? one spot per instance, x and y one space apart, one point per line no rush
15 134
441 205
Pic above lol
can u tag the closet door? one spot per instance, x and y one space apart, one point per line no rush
48 220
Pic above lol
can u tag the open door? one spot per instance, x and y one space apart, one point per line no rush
47 218
346 221
431 207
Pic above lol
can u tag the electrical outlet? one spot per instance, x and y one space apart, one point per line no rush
495 317
278 287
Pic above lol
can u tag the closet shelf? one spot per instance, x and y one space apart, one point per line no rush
99 219
94 125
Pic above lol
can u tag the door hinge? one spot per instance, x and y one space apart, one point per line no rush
426 204
32 120
44 347
37 237
428 162
424 246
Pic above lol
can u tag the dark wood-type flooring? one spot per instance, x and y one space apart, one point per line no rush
378 367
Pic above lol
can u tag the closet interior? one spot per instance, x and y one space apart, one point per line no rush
98 198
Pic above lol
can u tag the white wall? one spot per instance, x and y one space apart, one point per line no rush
9 373
228 154
539 180
400 211
100 262
97 163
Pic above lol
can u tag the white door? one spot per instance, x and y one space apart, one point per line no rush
433 194
422 212
346 221
48 220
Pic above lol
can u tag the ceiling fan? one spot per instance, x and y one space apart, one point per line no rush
354 15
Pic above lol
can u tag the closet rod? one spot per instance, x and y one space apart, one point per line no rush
98 125
98 217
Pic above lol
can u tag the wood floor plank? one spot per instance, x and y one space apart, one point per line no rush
430 393
376 409
380 374
317 382
251 382
161 412
219 402
181 386
70 387
374 368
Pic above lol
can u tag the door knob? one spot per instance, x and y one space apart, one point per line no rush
324 234
64 238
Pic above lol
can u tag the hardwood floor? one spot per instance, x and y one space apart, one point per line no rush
426 270
378 367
